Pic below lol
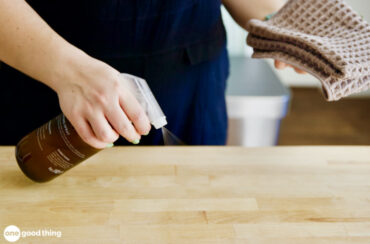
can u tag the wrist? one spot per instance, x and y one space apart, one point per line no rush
65 69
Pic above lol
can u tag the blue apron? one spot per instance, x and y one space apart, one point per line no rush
177 46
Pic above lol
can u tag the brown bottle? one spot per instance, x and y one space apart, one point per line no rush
55 147
51 150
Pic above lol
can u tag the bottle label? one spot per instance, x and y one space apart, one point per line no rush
64 132
58 140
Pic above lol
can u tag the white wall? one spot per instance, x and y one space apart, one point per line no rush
237 46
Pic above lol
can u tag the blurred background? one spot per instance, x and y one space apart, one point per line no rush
271 107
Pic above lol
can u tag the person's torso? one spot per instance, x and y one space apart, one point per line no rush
147 38
126 28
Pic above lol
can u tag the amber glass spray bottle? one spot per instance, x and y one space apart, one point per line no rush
55 147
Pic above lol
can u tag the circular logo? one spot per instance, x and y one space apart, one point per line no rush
12 233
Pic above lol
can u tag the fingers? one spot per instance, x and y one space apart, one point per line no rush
104 126
135 113
122 124
102 129
84 130
281 65
299 71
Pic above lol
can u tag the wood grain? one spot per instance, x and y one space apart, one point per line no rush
196 195
312 120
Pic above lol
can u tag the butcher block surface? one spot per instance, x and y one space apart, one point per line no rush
196 195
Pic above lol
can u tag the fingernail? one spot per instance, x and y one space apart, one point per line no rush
137 141
109 145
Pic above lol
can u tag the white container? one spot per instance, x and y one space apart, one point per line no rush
256 103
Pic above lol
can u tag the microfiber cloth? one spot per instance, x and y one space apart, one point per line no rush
325 38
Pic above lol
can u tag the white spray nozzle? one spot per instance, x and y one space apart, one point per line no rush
140 89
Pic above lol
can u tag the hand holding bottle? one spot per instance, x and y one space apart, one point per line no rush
100 107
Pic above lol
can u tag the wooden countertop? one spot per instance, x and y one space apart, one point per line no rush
196 195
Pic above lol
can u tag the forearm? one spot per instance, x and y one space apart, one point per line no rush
244 10
28 44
